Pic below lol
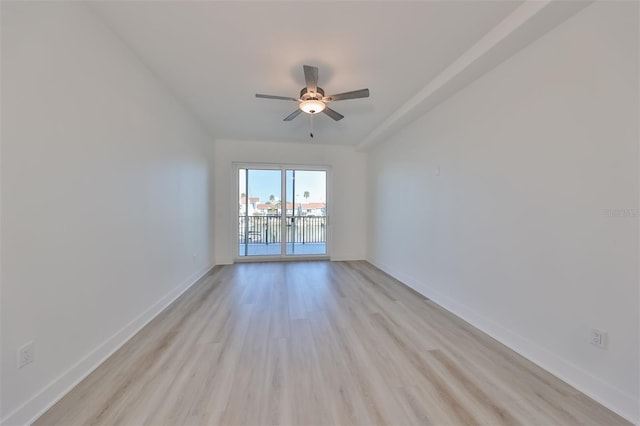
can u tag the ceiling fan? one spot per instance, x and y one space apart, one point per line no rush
312 99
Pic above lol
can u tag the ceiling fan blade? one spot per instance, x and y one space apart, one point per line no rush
355 94
311 77
293 115
284 98
331 113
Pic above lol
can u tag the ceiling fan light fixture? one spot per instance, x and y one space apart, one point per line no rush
312 106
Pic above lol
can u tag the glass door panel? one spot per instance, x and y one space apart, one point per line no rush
306 212
259 212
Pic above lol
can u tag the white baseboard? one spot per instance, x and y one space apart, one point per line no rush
609 396
37 405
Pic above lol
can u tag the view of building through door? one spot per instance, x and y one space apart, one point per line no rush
272 225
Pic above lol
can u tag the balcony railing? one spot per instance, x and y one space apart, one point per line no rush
268 229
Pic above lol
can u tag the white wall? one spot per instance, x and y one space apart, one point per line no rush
513 234
348 198
105 198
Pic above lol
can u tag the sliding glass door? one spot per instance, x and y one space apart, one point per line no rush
273 225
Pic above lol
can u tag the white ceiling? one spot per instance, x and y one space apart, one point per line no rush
214 56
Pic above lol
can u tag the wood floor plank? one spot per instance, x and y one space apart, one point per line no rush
295 294
311 397
276 391
365 372
347 404
317 343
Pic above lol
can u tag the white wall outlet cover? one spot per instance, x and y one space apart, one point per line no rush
25 354
598 338
437 171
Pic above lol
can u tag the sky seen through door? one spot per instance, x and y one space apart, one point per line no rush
264 183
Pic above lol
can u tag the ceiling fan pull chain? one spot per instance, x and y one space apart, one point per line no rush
311 133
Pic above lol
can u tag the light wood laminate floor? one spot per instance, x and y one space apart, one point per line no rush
317 343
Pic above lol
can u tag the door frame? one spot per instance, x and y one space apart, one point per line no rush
283 167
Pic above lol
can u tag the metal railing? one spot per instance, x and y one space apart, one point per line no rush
268 229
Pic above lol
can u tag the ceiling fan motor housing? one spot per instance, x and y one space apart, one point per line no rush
306 95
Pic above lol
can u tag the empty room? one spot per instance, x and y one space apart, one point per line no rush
320 212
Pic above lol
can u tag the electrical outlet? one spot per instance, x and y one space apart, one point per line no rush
598 338
25 355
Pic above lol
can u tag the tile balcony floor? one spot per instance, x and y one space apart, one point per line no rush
273 249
